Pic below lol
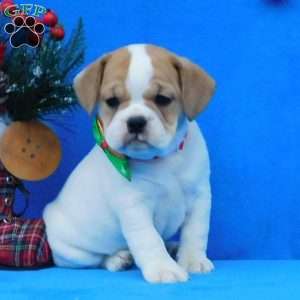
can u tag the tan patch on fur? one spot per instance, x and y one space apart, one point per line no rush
115 74
165 82
114 83
103 79
191 85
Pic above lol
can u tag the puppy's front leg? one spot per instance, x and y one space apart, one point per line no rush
147 247
193 241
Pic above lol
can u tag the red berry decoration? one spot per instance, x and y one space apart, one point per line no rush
57 32
50 18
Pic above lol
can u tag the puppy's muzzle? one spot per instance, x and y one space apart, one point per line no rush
136 125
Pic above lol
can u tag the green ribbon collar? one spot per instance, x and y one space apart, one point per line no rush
119 161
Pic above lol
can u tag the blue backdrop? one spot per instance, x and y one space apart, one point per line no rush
252 48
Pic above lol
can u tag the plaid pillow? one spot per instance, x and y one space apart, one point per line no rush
23 243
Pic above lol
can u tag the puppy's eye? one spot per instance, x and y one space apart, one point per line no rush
162 100
113 102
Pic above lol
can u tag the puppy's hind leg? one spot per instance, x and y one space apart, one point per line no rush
120 261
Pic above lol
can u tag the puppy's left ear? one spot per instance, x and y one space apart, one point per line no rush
197 87
87 83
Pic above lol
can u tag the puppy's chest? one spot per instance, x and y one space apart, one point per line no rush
164 195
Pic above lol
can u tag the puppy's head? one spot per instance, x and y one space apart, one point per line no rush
143 91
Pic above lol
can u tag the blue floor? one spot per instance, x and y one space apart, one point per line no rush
231 280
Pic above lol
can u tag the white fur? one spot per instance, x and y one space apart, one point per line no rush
140 72
155 133
99 213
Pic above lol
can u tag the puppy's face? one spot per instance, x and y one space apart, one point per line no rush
142 91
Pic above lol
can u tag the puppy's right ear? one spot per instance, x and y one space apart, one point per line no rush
87 83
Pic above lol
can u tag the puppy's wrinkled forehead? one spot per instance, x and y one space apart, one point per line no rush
133 70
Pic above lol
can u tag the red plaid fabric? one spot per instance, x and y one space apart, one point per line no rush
8 184
23 243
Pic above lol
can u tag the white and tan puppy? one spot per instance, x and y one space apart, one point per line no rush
147 99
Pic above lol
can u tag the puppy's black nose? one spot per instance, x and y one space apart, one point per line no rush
136 124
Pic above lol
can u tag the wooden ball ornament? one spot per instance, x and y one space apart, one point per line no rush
30 150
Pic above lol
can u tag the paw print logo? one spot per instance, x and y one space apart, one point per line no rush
24 31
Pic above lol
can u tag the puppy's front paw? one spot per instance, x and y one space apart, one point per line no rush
195 264
165 272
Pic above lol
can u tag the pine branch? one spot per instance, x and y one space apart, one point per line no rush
74 50
39 78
